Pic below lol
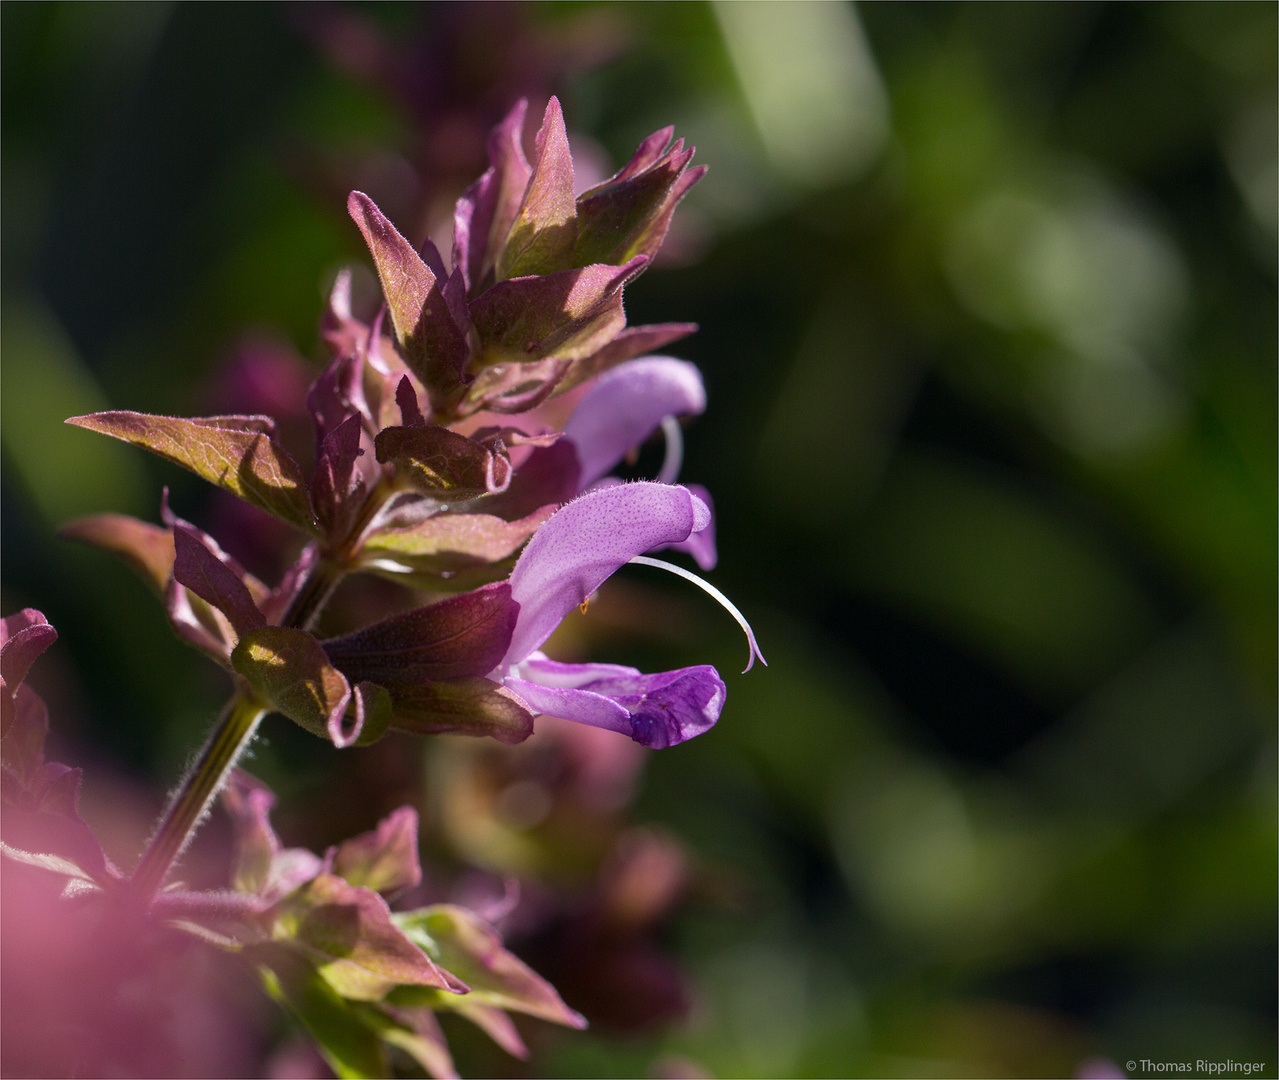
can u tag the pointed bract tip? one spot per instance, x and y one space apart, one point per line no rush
357 203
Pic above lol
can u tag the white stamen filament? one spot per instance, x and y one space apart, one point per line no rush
674 459
724 601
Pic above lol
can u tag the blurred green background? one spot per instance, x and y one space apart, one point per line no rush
987 296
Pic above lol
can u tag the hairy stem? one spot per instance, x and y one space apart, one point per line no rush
239 720
231 736
310 598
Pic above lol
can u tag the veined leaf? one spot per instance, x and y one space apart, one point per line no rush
291 672
262 867
544 231
464 707
632 342
416 1032
568 315
211 579
442 463
350 935
483 216
236 453
434 346
26 725
55 864
628 216
23 637
514 387
463 943
451 542
336 480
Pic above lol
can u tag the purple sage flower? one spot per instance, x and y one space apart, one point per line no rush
570 556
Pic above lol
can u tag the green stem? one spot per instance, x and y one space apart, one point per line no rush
314 592
231 736
239 720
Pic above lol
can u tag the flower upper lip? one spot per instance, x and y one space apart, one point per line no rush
584 542
626 404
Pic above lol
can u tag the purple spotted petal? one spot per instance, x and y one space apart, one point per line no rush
657 710
701 545
626 405
584 542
